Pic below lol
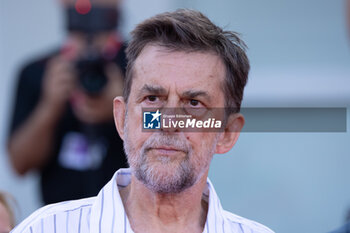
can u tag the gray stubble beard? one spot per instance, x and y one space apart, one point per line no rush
187 172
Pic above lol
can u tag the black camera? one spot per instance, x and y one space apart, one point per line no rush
91 67
91 73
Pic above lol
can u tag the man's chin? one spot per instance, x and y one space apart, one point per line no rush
164 170
165 178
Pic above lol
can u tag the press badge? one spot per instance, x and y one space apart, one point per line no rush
79 153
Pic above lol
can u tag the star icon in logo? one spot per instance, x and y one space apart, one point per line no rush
155 115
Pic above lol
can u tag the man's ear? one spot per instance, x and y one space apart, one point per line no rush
119 109
228 138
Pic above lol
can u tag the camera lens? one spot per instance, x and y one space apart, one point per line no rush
92 77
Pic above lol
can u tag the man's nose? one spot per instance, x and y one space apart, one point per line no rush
169 120
173 102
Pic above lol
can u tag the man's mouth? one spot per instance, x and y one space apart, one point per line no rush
166 150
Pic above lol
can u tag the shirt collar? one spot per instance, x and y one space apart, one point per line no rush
108 214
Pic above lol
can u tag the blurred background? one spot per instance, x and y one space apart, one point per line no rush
300 57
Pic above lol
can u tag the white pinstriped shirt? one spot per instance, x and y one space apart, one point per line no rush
105 214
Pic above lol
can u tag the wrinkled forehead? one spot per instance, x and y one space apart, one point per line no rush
181 71
192 61
93 2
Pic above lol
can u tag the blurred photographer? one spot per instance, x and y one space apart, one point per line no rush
62 122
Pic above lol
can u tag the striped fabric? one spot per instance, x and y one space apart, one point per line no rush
105 214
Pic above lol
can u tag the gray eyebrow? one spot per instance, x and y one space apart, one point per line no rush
159 90
152 89
193 94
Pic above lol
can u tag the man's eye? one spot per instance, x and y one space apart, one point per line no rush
194 102
151 98
195 108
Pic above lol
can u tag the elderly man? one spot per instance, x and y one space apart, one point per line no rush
178 60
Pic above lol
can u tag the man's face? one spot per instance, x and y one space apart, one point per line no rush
169 161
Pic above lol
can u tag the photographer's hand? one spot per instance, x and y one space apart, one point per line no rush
25 151
59 81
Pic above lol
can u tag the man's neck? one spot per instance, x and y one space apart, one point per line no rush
148 211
